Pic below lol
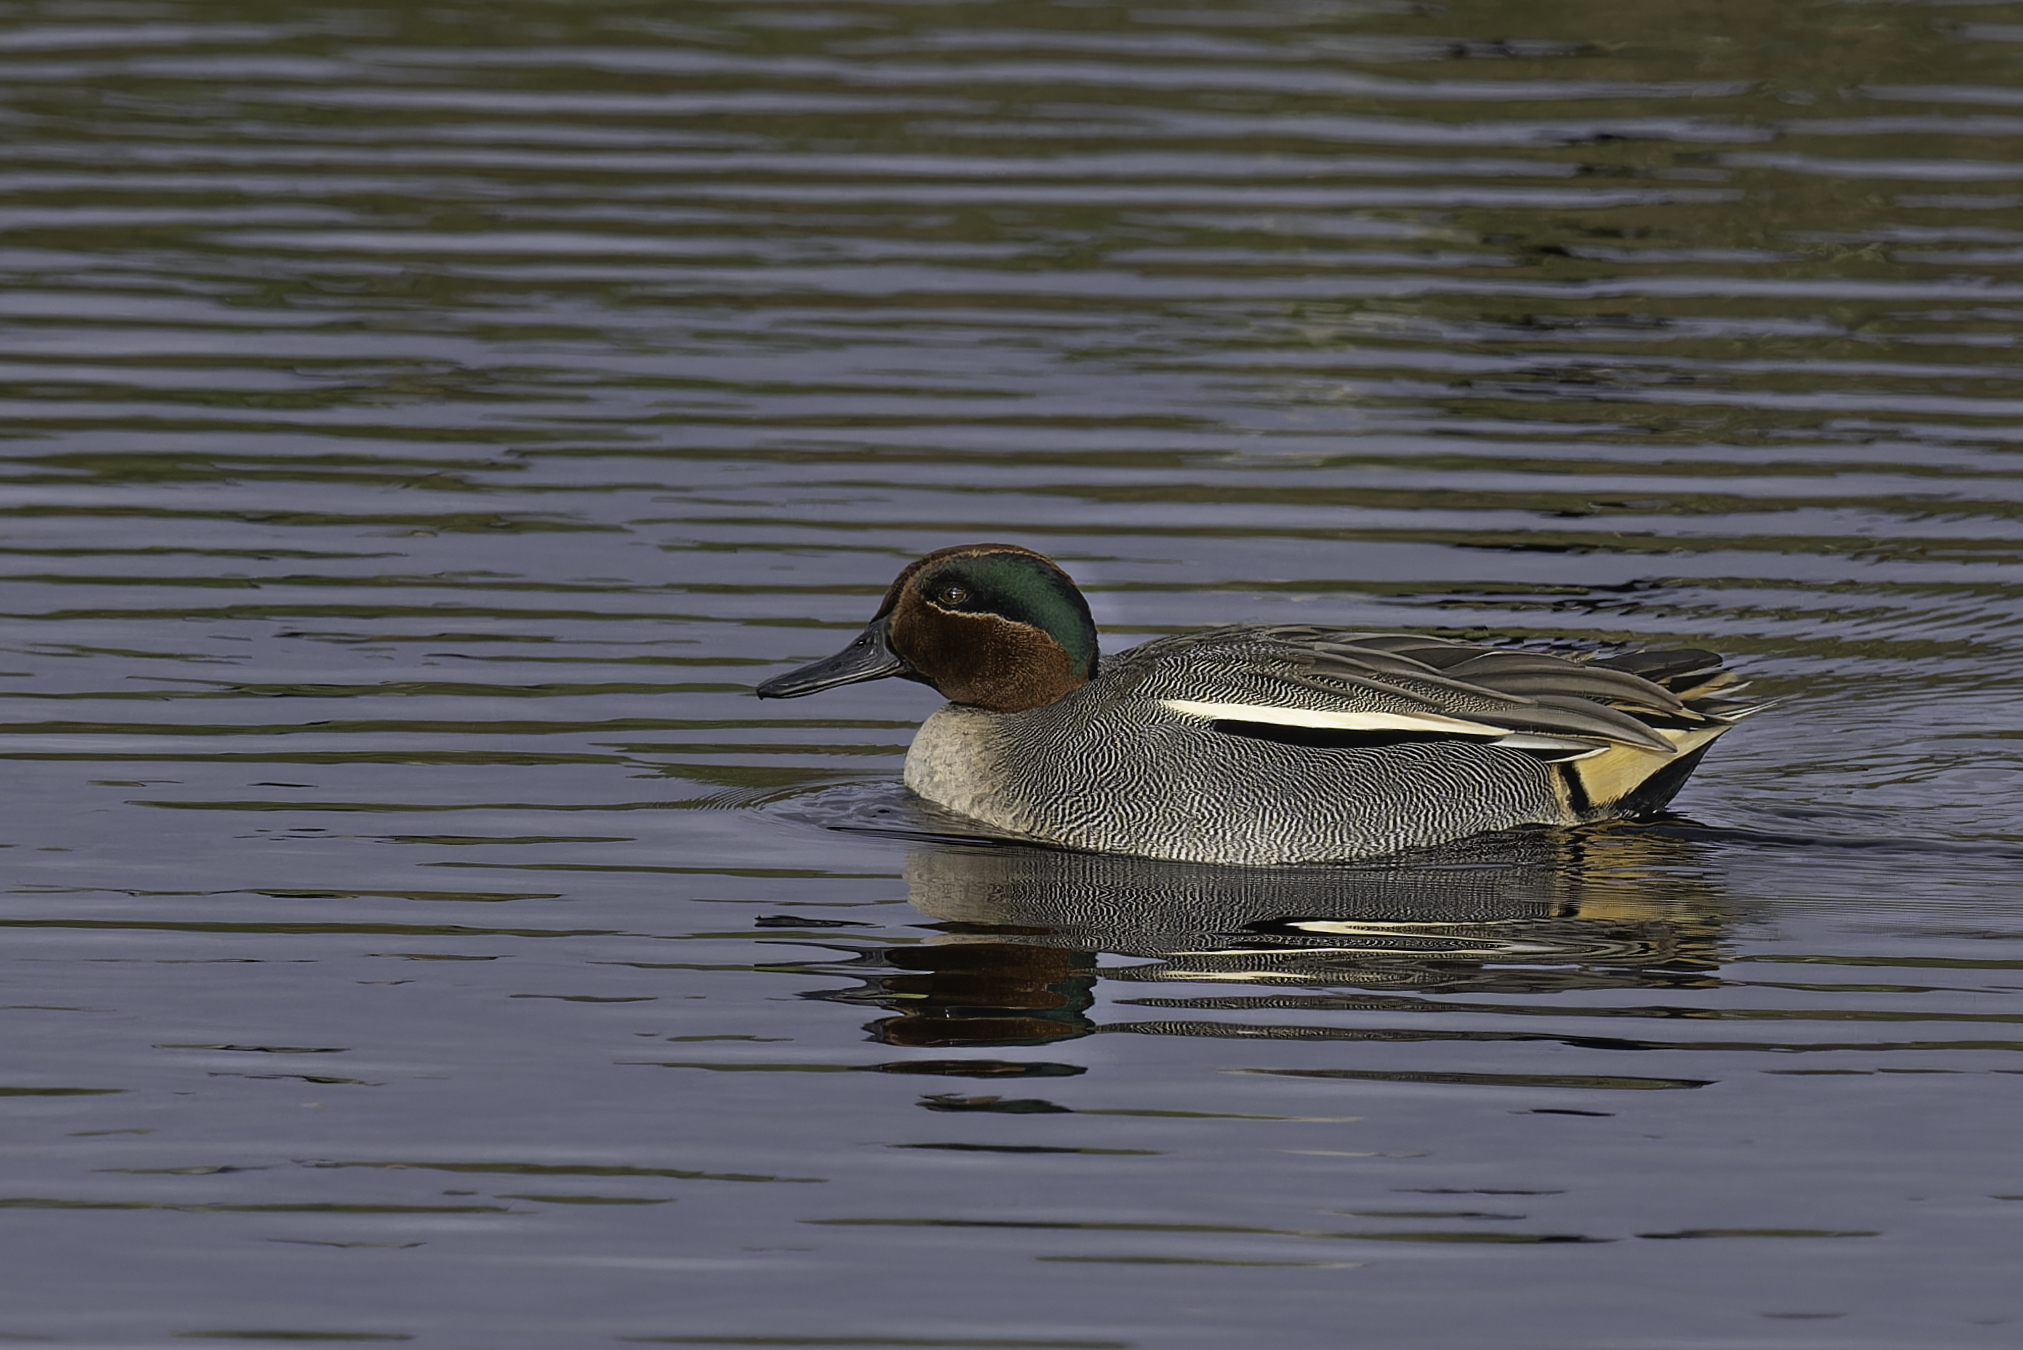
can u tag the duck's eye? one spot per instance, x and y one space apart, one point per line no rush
953 595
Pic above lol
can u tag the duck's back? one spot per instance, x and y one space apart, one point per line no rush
1297 744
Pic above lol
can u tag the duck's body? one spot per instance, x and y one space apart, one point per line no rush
1169 754
1259 744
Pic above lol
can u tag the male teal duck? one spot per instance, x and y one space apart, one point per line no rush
1259 744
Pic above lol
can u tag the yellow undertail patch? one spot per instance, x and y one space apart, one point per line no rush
1607 778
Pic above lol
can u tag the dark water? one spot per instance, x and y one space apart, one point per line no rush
424 423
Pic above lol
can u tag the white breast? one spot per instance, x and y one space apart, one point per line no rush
953 763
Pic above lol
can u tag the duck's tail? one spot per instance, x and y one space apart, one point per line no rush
1624 781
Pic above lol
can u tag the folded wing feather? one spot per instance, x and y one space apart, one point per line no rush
1322 679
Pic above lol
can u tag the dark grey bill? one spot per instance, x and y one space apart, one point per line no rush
870 657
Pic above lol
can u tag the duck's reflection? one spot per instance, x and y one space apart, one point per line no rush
1015 960
986 991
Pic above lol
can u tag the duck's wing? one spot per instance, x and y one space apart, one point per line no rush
1332 687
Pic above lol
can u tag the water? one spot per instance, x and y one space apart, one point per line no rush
424 424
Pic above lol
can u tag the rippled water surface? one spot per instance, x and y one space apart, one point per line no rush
423 425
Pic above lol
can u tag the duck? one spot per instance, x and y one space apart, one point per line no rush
1260 744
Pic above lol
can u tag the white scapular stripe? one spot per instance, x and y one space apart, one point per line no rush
1574 745
1339 721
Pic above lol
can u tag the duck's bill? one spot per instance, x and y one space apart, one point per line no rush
870 657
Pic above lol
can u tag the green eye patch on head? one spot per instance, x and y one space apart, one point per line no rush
1022 587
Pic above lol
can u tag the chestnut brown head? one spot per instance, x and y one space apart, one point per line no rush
994 626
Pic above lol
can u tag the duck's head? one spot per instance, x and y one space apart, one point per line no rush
994 626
